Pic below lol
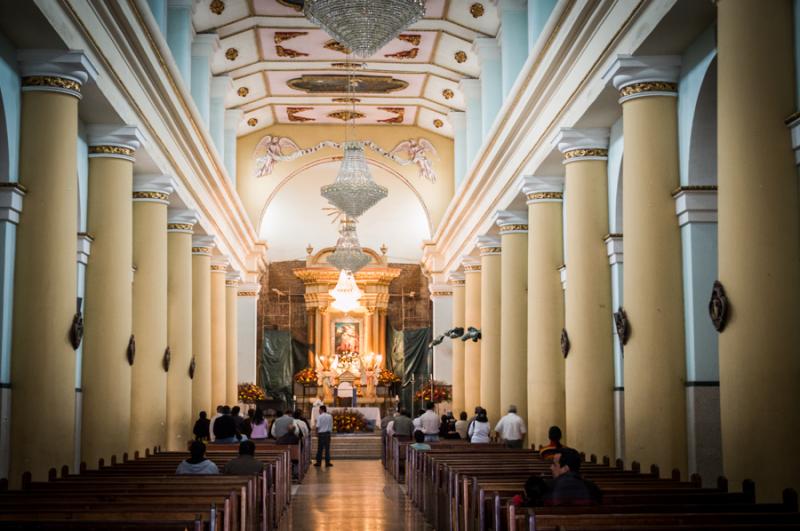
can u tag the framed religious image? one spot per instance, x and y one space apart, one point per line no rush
346 337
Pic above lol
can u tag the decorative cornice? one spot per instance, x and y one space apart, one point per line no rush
115 152
540 197
154 188
641 89
583 144
512 221
66 85
114 141
643 76
488 244
202 244
55 71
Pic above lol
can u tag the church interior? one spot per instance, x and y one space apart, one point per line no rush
582 214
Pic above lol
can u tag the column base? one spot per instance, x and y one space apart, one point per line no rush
703 431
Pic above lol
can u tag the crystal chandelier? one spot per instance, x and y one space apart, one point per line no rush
364 26
346 293
348 255
354 192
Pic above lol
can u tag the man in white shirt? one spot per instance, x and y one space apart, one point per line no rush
324 429
429 424
511 428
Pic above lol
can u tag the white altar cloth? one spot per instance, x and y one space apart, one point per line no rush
370 413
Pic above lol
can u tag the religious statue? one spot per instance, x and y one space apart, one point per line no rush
418 150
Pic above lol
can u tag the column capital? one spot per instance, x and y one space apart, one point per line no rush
249 289
583 144
153 188
181 220
486 47
642 76
456 279
471 88
439 291
696 204
55 71
114 141
512 221
220 86
205 44
232 118
614 248
471 264
11 195
232 279
458 119
202 244
84 247
220 264
489 244
543 189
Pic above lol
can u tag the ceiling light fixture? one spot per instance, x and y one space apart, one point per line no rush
348 255
346 293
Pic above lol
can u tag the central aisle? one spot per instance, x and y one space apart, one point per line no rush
351 495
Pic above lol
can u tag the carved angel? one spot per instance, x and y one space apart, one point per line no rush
270 150
419 152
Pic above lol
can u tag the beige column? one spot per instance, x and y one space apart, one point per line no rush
489 344
45 282
376 327
369 332
545 371
231 339
382 336
318 332
180 225
589 366
200 366
655 357
149 374
472 318
219 357
514 310
326 331
106 367
457 281
312 342
759 348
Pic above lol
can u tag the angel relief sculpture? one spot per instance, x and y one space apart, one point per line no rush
270 150
418 151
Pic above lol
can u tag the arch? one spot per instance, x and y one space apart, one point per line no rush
702 157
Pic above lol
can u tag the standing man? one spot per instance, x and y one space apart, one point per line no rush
511 428
429 423
324 428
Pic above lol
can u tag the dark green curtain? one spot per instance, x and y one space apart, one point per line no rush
281 358
410 356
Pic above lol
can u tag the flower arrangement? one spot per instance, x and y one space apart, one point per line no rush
387 377
250 393
349 421
307 376
441 392
347 357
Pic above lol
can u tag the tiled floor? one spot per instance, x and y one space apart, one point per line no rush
351 495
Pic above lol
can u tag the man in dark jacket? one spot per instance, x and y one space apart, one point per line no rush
246 464
225 427
403 425
568 487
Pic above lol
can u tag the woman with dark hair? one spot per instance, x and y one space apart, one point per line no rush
480 428
554 434
259 426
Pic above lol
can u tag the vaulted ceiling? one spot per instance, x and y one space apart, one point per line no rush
286 70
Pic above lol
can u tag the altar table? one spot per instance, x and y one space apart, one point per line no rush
370 413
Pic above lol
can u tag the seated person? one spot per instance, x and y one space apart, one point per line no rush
403 426
568 487
246 464
290 437
197 463
225 428
554 434
420 443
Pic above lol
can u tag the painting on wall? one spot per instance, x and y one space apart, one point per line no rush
346 337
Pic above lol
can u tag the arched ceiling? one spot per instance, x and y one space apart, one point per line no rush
296 216
286 70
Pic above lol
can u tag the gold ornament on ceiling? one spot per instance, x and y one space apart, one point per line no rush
288 52
216 7
346 100
243 91
336 46
349 66
281 36
448 94
231 54
399 115
437 123
460 56
476 10
413 38
292 113
405 54
358 84
346 115
252 122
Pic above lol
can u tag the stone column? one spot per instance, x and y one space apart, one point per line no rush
11 195
472 317
180 33
84 251
490 320
220 85
655 368
200 367
42 359
457 281
458 120
106 371
514 310
471 88
180 225
219 352
232 119
232 338
488 51
513 37
759 348
589 367
442 298
247 318
614 248
203 47
545 370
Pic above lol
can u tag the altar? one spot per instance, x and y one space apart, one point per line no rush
370 413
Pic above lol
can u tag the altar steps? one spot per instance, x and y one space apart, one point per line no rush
346 446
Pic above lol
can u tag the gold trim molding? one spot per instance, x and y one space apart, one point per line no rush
441 293
472 268
54 82
457 282
536 196
113 151
180 226
153 196
695 188
201 250
219 268
513 228
490 250
574 154
231 283
248 294
648 86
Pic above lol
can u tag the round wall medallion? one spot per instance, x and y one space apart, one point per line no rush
476 10
231 54
252 122
460 56
216 7
448 94
437 123
243 91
